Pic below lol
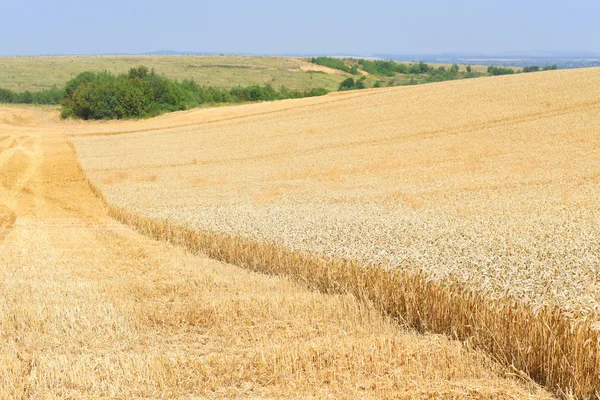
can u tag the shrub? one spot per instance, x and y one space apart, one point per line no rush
49 96
402 68
360 83
500 70
414 69
347 84
378 67
335 63
424 68
6 96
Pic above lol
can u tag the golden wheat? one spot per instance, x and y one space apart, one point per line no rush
485 190
89 309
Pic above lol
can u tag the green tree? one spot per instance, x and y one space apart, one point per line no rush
347 84
402 68
360 83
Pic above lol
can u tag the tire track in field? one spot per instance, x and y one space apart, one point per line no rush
461 129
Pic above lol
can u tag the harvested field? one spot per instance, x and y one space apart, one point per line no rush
488 185
91 309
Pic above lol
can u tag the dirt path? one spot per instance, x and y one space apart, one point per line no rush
91 309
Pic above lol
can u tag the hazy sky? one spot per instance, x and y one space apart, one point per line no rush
299 26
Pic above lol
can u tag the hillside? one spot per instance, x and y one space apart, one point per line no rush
91 309
36 73
513 155
488 185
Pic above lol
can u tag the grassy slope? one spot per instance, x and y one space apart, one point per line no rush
36 73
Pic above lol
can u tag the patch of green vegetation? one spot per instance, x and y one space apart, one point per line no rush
351 84
335 63
500 71
142 93
50 96
536 68
391 73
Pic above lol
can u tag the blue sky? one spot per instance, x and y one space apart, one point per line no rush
300 26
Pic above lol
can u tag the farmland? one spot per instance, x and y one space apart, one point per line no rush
92 309
488 185
466 208
407 178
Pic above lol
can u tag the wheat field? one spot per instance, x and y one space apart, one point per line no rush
465 208
493 183
90 309
487 188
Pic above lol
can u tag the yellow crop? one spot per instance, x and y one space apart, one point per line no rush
486 187
468 208
90 309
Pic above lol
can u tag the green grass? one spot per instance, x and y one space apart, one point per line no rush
37 73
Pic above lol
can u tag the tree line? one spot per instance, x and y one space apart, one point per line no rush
47 96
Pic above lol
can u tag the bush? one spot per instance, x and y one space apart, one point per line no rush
424 68
402 68
414 69
378 67
6 96
500 71
334 63
50 96
347 84
360 83
350 84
